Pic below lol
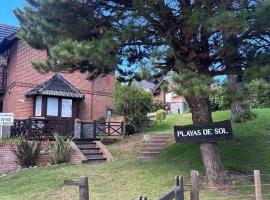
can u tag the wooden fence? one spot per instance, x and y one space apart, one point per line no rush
101 130
177 192
41 128
44 128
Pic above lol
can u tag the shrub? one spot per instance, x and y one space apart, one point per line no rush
258 92
26 153
157 105
134 104
219 99
60 150
244 116
186 108
160 115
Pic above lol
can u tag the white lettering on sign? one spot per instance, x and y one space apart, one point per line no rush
220 131
6 119
203 133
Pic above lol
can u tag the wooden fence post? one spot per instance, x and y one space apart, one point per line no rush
195 185
179 182
109 128
95 129
142 198
258 187
83 186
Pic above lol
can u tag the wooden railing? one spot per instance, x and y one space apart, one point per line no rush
41 128
101 130
108 128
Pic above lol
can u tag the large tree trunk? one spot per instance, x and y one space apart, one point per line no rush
239 104
213 166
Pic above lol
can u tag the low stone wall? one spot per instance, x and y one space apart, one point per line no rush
87 130
8 160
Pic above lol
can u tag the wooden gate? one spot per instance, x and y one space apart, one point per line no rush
100 130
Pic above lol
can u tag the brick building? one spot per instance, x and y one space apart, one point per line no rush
27 93
172 102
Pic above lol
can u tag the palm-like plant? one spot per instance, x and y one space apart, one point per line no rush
60 150
26 153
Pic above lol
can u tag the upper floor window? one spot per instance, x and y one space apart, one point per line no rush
52 106
38 106
66 110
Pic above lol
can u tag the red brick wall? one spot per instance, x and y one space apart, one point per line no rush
8 159
22 78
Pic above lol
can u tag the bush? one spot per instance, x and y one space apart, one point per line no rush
157 105
186 108
60 150
160 115
134 104
258 93
26 153
244 116
219 98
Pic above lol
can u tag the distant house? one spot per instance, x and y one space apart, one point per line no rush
29 94
173 103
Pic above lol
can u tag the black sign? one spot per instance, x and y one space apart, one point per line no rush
204 133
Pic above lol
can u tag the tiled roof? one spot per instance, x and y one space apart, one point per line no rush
144 84
56 86
7 30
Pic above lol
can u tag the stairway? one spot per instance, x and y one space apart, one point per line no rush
156 144
91 151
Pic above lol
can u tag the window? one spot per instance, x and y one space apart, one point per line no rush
52 106
38 106
66 108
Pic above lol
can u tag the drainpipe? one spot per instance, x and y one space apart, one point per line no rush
92 96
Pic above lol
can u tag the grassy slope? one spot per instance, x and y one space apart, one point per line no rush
128 177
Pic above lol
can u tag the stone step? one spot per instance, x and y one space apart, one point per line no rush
159 138
149 154
90 150
153 149
95 161
85 146
158 141
94 156
151 144
83 141
162 134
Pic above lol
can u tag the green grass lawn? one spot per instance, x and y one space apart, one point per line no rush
130 176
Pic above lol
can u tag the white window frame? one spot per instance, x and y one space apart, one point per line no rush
69 114
52 112
38 106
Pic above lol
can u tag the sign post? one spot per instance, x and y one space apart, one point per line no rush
213 132
6 119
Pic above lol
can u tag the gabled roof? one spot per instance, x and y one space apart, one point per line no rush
144 84
168 78
56 86
7 30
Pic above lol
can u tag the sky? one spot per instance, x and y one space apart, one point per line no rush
6 11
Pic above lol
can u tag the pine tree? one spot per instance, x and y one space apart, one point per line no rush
195 39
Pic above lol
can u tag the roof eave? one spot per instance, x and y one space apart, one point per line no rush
7 42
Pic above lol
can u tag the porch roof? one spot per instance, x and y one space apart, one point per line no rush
56 86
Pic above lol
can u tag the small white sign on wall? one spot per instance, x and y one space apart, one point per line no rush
6 119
